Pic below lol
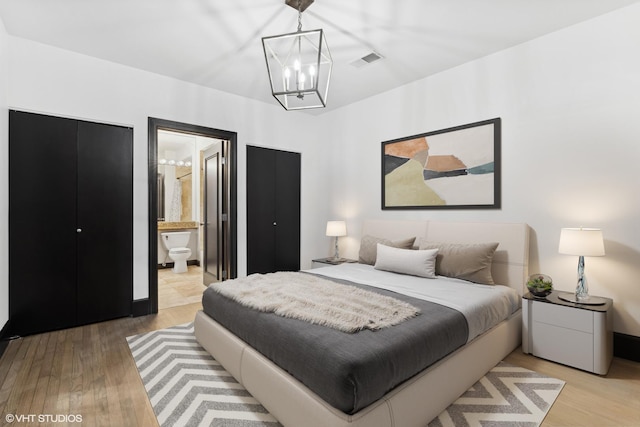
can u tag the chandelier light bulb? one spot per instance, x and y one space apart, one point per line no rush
303 78
287 75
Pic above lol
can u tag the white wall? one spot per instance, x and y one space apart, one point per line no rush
58 82
4 177
569 104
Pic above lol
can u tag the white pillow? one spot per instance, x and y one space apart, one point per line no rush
420 263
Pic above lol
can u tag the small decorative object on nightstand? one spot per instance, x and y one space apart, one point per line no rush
540 285
336 229
569 333
582 242
325 262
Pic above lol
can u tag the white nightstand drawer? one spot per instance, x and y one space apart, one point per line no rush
578 335
579 320
570 347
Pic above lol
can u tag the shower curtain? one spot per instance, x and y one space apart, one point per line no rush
175 209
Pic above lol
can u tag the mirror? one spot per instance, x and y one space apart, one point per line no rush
176 199
179 175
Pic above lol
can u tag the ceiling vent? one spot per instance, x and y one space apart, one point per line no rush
369 58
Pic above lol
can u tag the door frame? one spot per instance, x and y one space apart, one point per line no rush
231 150
220 202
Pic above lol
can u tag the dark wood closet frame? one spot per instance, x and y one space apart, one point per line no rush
142 307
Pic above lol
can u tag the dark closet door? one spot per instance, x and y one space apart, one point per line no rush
105 222
261 210
273 210
42 223
70 222
287 192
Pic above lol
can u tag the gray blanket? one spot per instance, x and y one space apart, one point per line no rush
348 371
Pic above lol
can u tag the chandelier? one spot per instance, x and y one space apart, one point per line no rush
299 65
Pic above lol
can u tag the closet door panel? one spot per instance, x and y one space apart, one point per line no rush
105 218
273 210
261 210
42 223
287 185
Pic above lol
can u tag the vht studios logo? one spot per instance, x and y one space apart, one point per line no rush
43 418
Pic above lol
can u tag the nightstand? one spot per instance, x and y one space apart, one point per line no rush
325 262
573 334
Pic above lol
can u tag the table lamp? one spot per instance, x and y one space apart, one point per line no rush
336 229
582 242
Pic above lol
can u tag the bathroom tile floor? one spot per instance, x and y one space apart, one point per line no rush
179 289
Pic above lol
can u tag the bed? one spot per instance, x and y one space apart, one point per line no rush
421 397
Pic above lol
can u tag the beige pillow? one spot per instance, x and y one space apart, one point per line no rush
368 247
407 261
468 261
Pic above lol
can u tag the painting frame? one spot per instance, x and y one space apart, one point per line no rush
453 168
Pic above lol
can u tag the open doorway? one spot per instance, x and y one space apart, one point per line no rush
192 210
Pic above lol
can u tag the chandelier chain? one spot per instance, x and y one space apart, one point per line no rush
299 15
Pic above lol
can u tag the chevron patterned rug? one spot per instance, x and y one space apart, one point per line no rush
506 396
187 387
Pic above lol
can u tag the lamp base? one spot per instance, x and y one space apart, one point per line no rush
585 301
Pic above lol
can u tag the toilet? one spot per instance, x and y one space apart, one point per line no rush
176 243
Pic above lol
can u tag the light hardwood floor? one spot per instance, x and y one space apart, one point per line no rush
84 371
89 371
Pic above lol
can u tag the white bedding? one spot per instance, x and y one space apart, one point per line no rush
484 306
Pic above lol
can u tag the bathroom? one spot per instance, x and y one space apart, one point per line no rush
180 278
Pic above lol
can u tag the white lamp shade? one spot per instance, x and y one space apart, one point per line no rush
581 241
336 228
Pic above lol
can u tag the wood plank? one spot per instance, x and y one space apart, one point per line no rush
8 371
53 386
47 345
89 360
76 371
27 377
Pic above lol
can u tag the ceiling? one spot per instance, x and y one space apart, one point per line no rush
217 43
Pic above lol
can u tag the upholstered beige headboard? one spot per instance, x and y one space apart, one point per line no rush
510 262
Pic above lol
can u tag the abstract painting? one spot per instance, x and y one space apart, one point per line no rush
454 168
